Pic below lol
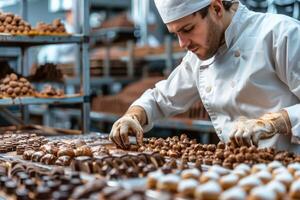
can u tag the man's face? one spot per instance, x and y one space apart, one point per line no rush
200 35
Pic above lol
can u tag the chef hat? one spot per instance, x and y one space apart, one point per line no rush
171 10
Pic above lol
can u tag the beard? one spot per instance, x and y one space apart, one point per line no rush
214 40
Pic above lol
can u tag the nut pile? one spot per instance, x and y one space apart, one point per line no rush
261 181
210 154
13 24
50 91
56 27
14 86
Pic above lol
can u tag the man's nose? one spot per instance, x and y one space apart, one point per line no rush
183 41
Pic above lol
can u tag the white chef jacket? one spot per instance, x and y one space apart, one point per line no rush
256 71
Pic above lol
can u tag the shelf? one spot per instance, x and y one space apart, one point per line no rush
99 81
176 56
109 34
10 52
33 100
111 4
24 40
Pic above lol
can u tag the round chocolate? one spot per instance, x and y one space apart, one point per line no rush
3 180
30 185
60 196
22 194
43 192
10 187
53 185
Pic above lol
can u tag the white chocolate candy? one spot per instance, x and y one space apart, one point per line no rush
262 193
235 193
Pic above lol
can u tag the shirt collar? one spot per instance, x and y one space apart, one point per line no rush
234 27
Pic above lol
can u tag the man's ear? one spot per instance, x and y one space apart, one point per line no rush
217 7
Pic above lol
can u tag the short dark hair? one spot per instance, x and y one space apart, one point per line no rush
204 11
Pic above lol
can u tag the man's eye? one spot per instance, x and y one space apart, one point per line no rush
187 30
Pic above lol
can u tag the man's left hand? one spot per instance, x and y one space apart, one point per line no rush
249 131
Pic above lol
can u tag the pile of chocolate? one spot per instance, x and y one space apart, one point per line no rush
47 73
82 157
58 153
50 91
173 147
13 24
226 155
261 181
56 27
118 167
13 86
23 181
20 142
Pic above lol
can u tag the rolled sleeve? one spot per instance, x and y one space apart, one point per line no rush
146 102
293 112
287 68
171 96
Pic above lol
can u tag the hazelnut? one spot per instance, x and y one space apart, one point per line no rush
217 162
13 84
227 154
192 158
243 149
208 161
236 151
17 90
159 142
24 90
240 158
8 19
227 165
253 149
221 145
172 154
10 91
13 77
200 153
183 136
6 80
141 149
197 147
248 156
163 152
211 147
220 155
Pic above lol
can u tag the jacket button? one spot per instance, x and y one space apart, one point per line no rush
208 89
219 131
237 53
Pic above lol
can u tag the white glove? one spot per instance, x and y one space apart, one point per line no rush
122 128
249 131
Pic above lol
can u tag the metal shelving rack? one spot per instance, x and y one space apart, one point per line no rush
82 40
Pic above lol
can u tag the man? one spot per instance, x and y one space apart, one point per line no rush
244 66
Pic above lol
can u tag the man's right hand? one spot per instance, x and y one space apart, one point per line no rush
123 127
